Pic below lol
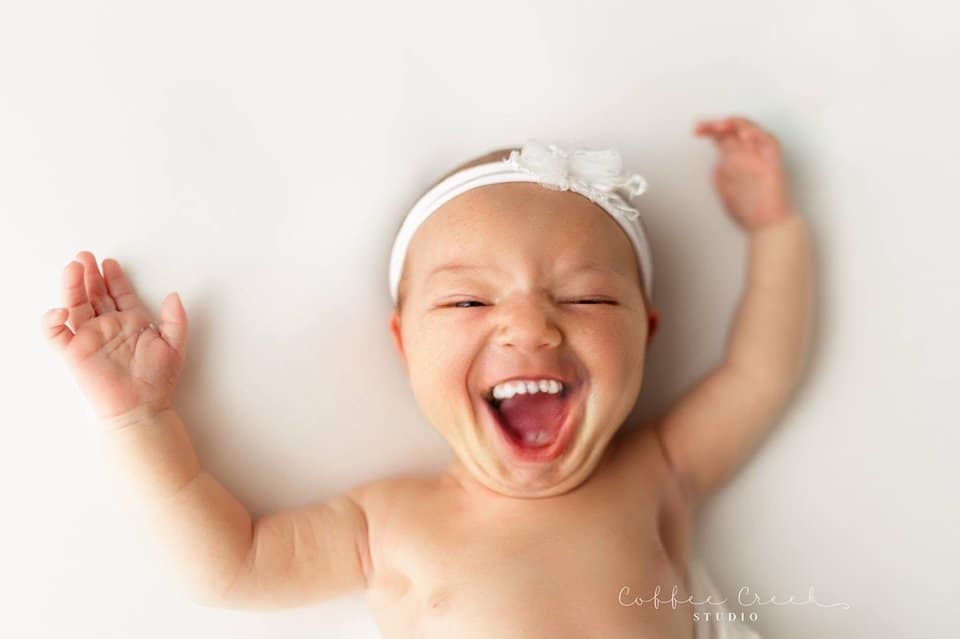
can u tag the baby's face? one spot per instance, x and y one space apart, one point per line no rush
514 308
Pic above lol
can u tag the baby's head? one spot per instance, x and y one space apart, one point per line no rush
517 281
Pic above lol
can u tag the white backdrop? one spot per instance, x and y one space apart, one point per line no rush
256 158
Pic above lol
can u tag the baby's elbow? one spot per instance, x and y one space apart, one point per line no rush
214 601
236 600
770 386
225 592
204 596
777 390
262 602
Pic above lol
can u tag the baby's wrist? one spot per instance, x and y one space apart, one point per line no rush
140 415
784 215
786 225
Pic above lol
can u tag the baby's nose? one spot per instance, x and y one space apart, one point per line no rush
527 323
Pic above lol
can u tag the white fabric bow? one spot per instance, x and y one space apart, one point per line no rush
595 174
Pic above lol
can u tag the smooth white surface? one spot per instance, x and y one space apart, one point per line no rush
257 159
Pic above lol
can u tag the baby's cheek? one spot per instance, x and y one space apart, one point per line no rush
439 368
615 355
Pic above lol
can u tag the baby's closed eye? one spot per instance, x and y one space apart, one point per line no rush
575 301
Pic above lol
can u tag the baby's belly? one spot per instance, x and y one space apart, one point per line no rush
552 589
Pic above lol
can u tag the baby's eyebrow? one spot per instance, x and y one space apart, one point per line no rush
456 266
584 266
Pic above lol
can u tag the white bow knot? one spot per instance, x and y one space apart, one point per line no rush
595 174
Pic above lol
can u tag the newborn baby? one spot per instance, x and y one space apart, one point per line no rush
522 316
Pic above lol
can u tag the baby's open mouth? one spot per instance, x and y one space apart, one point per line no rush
532 421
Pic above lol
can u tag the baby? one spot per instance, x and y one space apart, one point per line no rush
522 316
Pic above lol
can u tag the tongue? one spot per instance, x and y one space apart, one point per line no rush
528 414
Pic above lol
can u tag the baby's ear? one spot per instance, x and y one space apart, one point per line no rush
395 331
653 320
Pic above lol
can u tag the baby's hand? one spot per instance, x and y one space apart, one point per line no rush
749 175
120 359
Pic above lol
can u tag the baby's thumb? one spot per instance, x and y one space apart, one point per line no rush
173 322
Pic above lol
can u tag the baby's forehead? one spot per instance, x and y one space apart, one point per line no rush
512 220
513 225
521 207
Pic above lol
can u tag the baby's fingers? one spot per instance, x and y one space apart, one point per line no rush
75 296
721 132
714 128
173 323
96 291
119 286
751 132
54 330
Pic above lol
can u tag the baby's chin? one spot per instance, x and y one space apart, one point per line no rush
529 480
500 469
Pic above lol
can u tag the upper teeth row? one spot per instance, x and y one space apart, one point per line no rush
509 389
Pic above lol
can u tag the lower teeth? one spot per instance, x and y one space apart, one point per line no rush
538 437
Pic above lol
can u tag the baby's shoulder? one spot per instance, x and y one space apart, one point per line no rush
377 498
396 509
639 460
638 449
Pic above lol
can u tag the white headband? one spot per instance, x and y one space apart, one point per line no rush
594 174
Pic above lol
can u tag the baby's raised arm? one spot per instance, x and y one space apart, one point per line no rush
711 430
128 367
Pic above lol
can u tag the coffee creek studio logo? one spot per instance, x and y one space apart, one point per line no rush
745 597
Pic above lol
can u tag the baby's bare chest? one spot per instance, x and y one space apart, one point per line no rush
542 568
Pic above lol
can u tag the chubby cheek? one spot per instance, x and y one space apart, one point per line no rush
439 366
613 355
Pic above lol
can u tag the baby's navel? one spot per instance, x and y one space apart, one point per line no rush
438 600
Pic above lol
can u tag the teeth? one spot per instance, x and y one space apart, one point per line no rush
535 438
522 387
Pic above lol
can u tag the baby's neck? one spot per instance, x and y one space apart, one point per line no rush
461 478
